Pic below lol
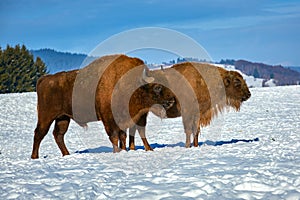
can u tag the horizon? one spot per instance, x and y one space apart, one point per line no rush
213 61
266 32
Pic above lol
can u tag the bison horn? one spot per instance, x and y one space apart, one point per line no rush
146 78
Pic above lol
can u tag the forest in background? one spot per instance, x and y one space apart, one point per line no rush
19 71
20 68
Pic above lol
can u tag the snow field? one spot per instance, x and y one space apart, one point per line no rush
251 154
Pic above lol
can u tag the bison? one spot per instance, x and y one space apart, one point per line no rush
115 89
215 89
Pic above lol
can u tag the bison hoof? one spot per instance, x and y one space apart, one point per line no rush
132 148
34 157
116 150
149 149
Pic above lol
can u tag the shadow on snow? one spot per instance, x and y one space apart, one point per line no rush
180 144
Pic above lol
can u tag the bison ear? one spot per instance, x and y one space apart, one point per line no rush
157 89
227 81
145 77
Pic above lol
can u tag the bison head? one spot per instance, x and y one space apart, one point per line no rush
138 92
236 89
156 86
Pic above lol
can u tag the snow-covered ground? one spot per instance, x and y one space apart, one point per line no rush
252 154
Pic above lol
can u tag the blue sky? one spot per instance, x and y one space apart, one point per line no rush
264 31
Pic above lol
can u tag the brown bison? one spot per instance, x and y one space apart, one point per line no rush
115 89
215 89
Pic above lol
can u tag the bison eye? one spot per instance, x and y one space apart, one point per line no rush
157 89
237 83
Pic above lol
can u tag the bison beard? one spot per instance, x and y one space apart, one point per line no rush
215 88
86 95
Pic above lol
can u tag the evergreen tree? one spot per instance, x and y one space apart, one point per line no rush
18 70
256 73
39 69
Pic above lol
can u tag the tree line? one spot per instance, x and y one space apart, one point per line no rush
60 61
19 71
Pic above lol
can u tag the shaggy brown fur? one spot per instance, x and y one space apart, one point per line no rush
102 90
215 90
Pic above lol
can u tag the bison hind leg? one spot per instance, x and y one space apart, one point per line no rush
60 128
39 133
132 131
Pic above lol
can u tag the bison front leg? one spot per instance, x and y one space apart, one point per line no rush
142 132
191 125
114 139
132 131
188 134
196 135
113 132
141 127
60 128
188 129
196 140
122 138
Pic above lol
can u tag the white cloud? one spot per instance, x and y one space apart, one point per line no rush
284 8
264 16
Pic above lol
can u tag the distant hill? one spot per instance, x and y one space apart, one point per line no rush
294 68
280 75
59 61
